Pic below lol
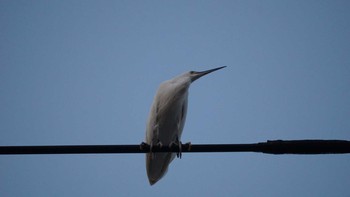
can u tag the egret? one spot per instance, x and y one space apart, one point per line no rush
166 121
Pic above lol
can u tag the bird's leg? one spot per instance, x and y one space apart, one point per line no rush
155 140
179 154
151 150
158 144
178 143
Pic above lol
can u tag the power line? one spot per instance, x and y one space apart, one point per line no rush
269 147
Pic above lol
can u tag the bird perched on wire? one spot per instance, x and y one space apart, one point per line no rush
166 121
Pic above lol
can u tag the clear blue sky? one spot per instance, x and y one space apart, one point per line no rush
85 72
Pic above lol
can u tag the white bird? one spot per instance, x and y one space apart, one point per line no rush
167 119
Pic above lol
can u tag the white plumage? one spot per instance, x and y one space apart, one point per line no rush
167 119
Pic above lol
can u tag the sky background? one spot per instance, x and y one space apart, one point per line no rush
85 73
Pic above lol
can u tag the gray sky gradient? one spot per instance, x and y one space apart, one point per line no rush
85 72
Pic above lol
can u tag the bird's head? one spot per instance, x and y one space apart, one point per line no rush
194 75
184 80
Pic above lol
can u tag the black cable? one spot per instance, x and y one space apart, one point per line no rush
269 147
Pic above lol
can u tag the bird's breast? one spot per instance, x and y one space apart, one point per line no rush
168 123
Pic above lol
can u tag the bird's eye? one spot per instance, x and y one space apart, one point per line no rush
191 72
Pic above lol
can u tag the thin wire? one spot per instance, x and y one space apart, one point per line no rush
269 147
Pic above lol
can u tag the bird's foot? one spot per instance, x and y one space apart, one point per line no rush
187 146
144 146
156 146
159 145
178 144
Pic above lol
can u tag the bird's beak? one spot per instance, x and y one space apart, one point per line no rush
196 75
